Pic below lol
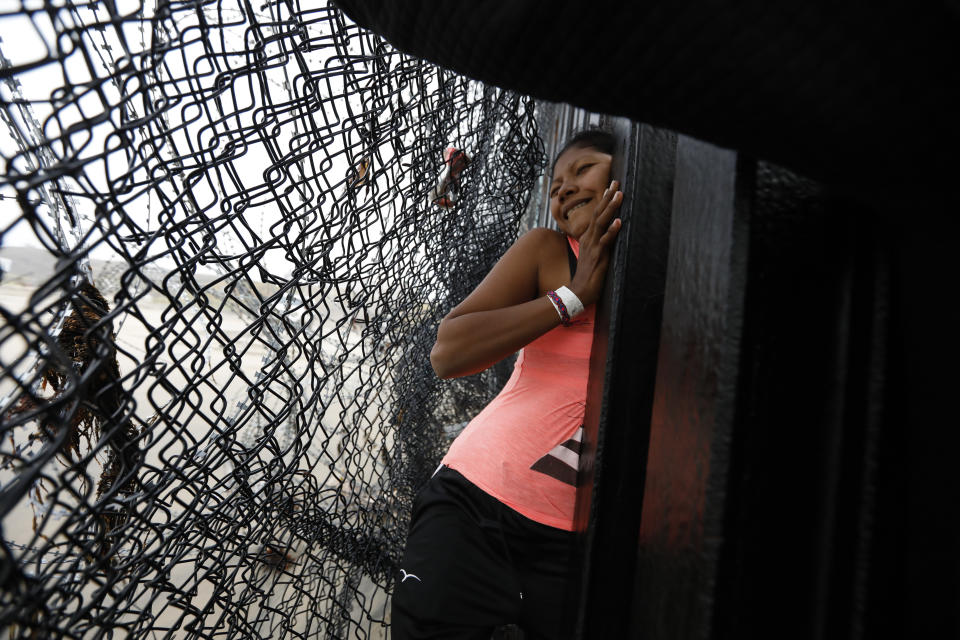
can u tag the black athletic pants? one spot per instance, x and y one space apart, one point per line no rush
472 564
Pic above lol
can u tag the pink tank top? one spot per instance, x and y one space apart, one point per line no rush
523 448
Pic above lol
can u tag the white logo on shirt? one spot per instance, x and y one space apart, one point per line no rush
408 575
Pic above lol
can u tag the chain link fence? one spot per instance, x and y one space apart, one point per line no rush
228 232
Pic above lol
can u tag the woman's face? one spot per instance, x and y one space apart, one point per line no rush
580 177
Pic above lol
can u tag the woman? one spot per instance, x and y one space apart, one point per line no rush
491 533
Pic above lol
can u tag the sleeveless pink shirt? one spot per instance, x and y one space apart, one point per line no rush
523 448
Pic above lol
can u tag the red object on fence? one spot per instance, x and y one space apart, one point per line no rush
447 191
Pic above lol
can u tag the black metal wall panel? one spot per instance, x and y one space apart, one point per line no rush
803 439
622 375
914 582
767 448
771 455
684 492
841 497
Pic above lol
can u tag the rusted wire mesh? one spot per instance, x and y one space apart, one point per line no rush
227 234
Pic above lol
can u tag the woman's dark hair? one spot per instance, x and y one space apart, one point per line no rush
602 141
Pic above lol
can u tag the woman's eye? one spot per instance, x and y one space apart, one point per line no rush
582 169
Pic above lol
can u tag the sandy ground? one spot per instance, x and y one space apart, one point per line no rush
165 449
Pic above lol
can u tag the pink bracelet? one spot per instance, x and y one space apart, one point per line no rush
561 308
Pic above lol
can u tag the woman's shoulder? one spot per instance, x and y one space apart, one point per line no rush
546 251
531 251
543 240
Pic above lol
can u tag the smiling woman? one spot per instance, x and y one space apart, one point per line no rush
511 307
491 534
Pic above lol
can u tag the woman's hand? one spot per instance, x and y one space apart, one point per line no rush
595 245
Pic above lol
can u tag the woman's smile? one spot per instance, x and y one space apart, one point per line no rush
579 205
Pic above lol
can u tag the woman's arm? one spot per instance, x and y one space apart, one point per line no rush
502 315
507 311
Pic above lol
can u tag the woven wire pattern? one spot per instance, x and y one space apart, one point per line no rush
227 234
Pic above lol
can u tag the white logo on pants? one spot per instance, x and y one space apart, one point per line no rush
408 575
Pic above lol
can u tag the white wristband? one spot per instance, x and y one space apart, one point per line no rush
570 301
